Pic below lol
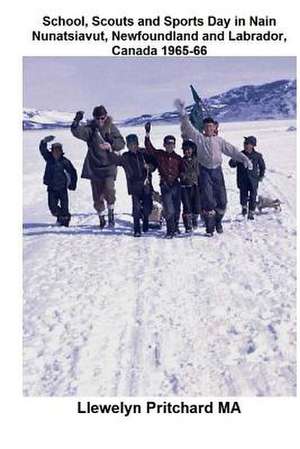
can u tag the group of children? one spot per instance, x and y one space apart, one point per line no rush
195 180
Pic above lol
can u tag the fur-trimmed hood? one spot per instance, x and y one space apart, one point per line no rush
108 123
99 164
110 133
106 128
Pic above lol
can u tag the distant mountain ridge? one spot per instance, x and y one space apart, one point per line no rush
270 101
46 119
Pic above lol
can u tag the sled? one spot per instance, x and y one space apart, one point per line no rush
268 203
156 216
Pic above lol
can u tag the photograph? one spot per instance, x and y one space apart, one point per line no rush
159 226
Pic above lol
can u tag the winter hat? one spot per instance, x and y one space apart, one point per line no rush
169 139
208 120
56 145
189 144
132 138
99 111
251 140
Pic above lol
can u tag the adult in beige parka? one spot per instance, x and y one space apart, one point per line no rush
103 139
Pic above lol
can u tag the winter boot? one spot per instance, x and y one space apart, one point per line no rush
195 221
169 235
111 218
64 220
251 215
102 221
176 229
210 223
244 211
219 227
136 227
145 224
58 222
170 228
187 221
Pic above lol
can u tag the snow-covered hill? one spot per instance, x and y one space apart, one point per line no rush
106 314
46 119
275 100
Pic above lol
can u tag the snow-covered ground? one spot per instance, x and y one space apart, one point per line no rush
109 315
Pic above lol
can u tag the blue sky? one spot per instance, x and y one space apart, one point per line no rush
133 86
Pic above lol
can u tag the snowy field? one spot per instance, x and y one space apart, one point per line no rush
109 315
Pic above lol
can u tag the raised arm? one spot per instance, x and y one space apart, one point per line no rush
43 147
149 148
79 131
231 151
187 129
150 161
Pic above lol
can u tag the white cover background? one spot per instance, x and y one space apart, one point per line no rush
49 423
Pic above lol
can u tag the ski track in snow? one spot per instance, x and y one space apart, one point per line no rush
109 315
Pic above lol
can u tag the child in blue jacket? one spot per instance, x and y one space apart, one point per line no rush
60 175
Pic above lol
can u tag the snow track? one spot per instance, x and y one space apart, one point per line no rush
109 315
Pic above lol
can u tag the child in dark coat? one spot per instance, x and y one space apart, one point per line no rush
138 166
248 180
170 166
190 195
59 176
